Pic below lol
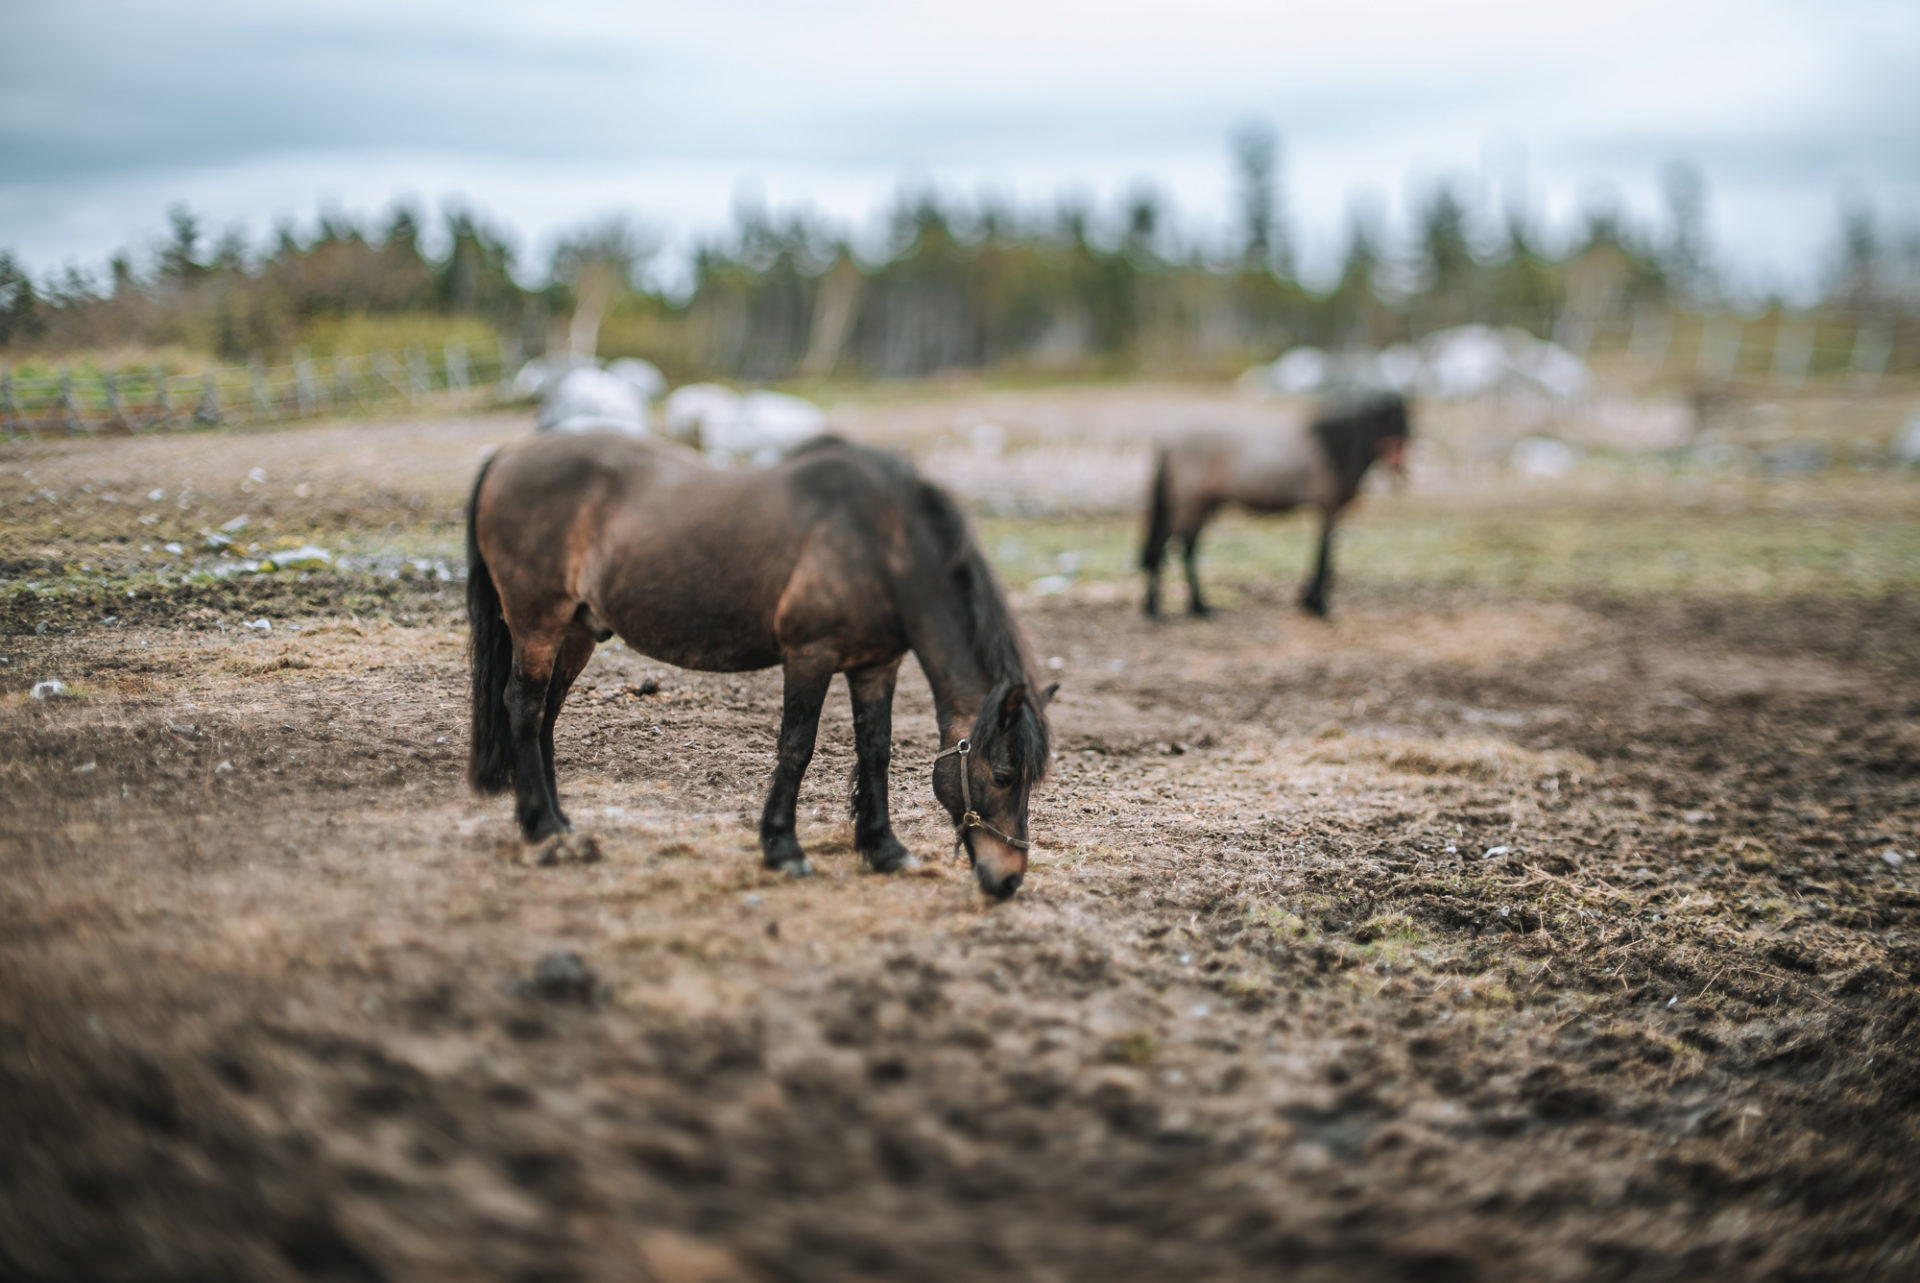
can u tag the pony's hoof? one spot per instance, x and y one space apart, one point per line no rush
546 830
891 858
567 848
799 867
1318 609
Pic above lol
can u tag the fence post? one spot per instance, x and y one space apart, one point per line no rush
305 387
110 385
509 362
456 367
383 366
419 374
1872 345
1792 352
257 384
1720 349
69 411
343 389
9 409
207 413
1651 340
162 408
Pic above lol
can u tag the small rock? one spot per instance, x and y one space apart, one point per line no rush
225 768
259 625
309 557
1492 851
236 525
217 542
1891 856
649 686
441 740
563 976
183 728
1056 663
257 476
1049 585
50 690
174 549
156 495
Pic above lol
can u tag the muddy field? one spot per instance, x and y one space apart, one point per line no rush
1520 923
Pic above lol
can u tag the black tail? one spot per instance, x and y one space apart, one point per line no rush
1159 516
490 647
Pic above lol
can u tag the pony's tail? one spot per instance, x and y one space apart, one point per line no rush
490 648
1159 514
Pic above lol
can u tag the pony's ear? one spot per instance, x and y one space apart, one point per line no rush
1010 706
1046 696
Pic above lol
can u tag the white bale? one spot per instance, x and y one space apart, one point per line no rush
1399 367
1300 372
695 413
534 378
1468 360
1550 367
645 376
593 400
767 426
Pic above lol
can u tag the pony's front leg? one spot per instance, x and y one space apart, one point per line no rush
807 677
872 691
1313 599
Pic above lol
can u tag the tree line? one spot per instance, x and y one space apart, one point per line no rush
954 285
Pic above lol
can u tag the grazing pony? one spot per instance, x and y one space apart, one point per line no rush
1321 463
839 559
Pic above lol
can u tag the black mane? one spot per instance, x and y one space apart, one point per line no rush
1348 431
999 647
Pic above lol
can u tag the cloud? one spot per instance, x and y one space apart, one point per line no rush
252 110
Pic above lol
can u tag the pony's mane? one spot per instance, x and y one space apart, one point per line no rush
994 635
1348 430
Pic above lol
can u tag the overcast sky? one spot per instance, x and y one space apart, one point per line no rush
546 115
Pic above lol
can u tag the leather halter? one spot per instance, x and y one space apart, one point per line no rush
970 818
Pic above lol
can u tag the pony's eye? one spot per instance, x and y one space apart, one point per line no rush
1003 779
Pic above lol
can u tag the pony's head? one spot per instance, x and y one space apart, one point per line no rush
1355 435
985 781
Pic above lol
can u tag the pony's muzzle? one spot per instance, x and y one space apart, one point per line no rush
1000 887
997 868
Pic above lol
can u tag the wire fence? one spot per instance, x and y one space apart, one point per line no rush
151 399
1781 352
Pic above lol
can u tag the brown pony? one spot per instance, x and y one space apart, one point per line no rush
838 560
1321 463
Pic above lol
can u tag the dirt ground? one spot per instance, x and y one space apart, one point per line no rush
1483 933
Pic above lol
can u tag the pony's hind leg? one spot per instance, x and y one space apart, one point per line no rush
872 692
1189 557
808 674
576 648
534 662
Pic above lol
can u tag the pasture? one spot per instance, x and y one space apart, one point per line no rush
1552 912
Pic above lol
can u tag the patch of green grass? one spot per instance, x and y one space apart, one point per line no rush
1633 545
